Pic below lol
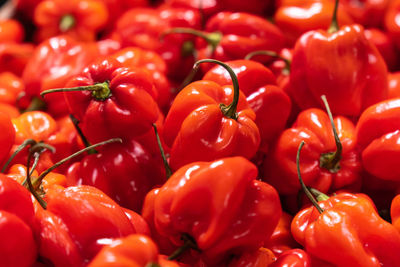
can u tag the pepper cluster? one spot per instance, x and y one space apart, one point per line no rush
200 133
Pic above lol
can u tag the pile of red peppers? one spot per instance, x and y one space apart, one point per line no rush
200 133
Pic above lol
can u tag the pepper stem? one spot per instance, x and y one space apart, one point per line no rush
303 186
100 91
330 160
213 38
318 194
285 70
43 174
67 22
86 142
189 243
334 27
29 182
27 142
36 104
166 165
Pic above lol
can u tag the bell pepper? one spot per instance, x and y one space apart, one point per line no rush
18 246
229 36
326 166
80 19
54 63
213 121
144 27
270 103
77 222
377 133
385 46
11 87
195 204
352 75
298 17
7 136
349 232
133 250
107 94
154 64
11 31
125 172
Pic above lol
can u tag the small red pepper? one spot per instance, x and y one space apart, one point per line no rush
208 121
11 31
7 136
195 203
11 86
394 85
293 258
260 258
15 56
80 19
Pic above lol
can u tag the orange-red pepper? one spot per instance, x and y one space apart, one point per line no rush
7 136
11 31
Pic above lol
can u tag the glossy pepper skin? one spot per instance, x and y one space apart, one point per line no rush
77 220
352 74
394 85
196 201
133 250
80 19
314 127
298 17
11 86
293 258
345 233
7 136
196 129
125 172
270 104
259 258
18 246
369 13
392 25
144 27
378 132
123 104
395 212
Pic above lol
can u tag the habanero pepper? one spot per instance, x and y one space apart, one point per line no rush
352 74
378 134
144 27
79 19
7 136
15 56
394 85
395 212
196 203
271 104
326 166
208 121
111 101
133 250
293 258
11 31
11 86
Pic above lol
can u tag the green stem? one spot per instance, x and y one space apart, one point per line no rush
189 243
285 70
166 165
43 174
27 142
331 160
36 104
303 186
67 22
318 194
100 91
86 142
334 27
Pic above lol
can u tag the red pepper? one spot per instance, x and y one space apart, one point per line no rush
7 136
293 258
391 23
260 258
107 94
203 124
196 203
348 232
206 7
18 246
80 19
352 74
11 86
154 64
270 103
143 27
133 250
11 31
297 17
326 166
394 85
15 56
378 132
395 212
369 13
125 172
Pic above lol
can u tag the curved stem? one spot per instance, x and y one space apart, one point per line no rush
286 70
330 161
166 165
318 194
100 91
36 104
27 142
213 39
30 186
75 122
334 27
43 174
67 22
189 243
303 186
